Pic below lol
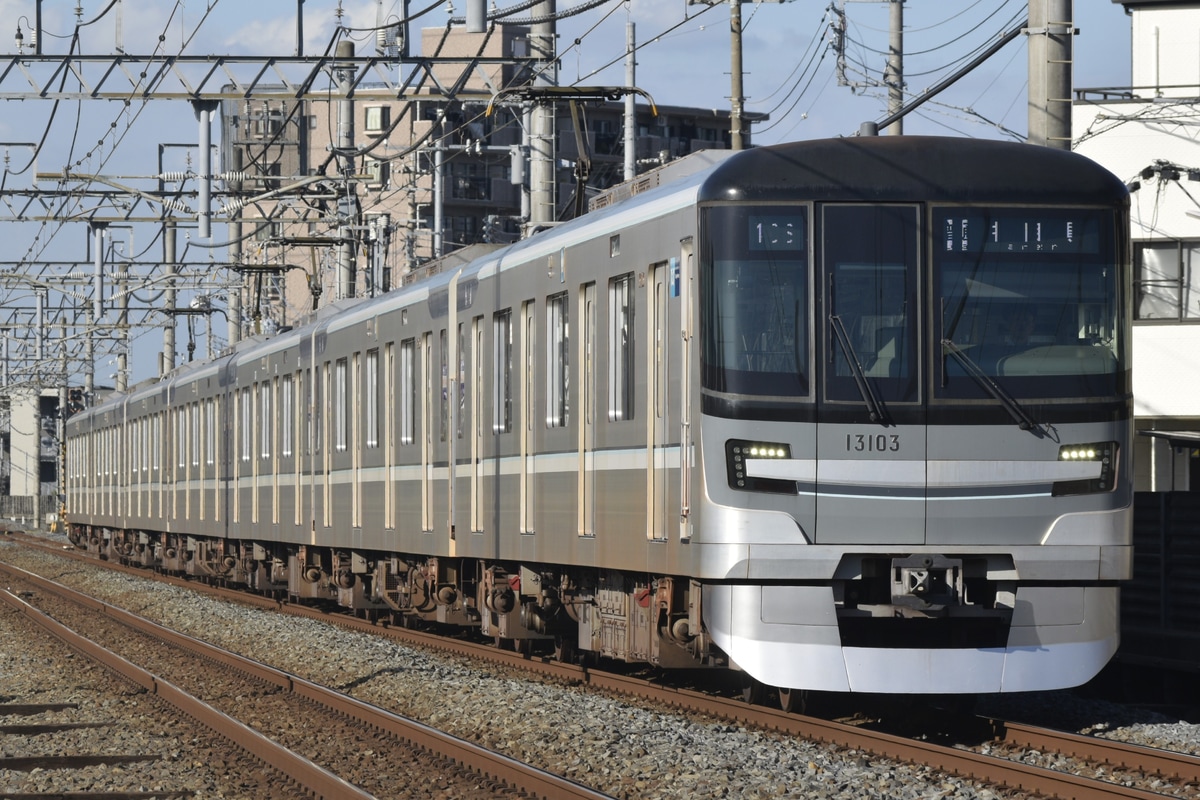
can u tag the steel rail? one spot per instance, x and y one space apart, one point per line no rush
313 777
488 763
994 770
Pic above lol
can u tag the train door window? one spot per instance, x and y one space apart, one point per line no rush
557 361
529 409
461 386
502 372
427 433
210 449
444 350
389 439
341 413
246 424
587 410
317 429
286 410
620 348
408 391
477 427
195 438
371 398
871 258
181 436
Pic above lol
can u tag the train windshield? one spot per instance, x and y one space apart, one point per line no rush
1028 299
754 300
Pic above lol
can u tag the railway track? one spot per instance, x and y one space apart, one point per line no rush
996 759
314 735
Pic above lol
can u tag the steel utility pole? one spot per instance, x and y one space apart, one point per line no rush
895 65
1050 31
543 205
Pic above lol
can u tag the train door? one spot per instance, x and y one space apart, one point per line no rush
871 427
657 397
587 403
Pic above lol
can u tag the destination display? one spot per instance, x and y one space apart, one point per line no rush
1036 231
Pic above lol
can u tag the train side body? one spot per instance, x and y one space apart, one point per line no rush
764 417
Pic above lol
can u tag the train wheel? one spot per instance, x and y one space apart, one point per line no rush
792 701
752 691
564 649
523 646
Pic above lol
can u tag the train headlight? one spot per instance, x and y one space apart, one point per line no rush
1104 454
739 451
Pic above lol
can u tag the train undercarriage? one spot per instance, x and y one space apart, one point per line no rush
580 613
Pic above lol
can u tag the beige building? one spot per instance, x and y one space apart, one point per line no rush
430 175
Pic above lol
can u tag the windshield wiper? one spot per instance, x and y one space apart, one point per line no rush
1023 420
874 407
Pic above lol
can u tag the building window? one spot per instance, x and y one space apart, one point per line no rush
1167 285
378 118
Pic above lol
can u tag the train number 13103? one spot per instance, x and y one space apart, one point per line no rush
872 443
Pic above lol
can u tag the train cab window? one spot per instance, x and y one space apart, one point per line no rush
620 348
871 260
1029 299
754 300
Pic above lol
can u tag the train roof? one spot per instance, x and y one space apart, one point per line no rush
912 168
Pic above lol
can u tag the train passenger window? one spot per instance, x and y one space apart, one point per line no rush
754 300
408 391
341 413
462 383
502 372
557 361
371 398
1030 298
620 348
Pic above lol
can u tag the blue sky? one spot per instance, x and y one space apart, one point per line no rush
683 60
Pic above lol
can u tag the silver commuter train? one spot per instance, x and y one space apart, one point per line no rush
847 415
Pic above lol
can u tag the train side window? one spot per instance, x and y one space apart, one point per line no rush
341 416
408 391
502 372
620 348
371 398
557 361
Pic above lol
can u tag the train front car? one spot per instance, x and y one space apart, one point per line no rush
915 413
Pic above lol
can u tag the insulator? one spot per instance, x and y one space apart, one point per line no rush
236 175
176 177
